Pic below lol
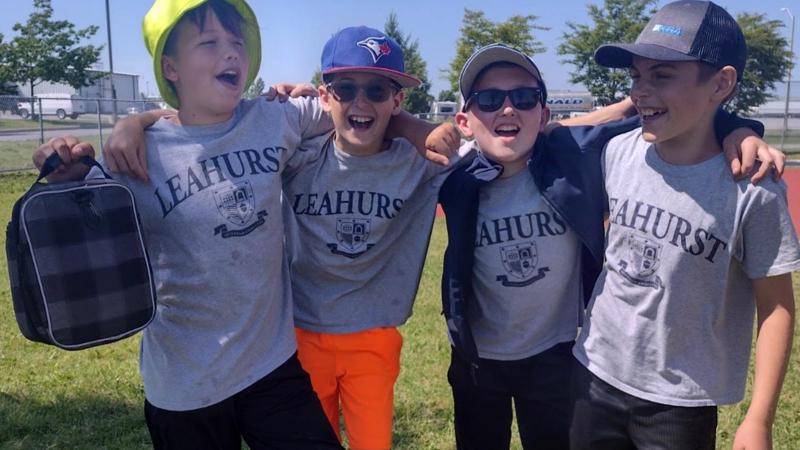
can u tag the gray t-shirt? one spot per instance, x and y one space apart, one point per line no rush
359 228
671 316
526 272
214 232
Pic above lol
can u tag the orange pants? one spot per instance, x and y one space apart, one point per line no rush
357 371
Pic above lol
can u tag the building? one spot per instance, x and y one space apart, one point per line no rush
85 98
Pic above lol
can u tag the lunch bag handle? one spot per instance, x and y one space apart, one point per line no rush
54 161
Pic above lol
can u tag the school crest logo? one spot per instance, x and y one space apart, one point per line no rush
352 235
377 47
642 260
236 204
520 261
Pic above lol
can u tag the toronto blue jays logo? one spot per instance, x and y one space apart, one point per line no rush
520 261
352 235
643 256
236 203
377 47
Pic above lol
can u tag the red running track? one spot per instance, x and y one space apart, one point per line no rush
792 178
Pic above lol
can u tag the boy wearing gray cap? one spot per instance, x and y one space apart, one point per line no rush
667 332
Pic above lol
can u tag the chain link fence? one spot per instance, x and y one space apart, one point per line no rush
27 122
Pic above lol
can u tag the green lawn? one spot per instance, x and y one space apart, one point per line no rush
83 121
92 399
17 154
792 140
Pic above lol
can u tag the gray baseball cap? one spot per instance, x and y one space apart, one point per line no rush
687 30
491 54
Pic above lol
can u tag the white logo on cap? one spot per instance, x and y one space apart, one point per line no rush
668 29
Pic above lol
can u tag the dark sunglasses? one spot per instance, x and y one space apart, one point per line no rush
490 100
376 92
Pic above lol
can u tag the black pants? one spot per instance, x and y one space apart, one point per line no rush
607 418
280 411
539 387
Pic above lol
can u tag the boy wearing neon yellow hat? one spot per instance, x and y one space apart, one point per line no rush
219 360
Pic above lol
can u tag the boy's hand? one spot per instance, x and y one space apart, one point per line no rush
124 151
442 143
70 150
282 91
743 146
752 435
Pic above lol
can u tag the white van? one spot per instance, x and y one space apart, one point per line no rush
60 105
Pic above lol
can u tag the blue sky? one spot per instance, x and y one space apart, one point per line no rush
293 32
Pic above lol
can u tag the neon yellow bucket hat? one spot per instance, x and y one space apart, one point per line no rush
165 14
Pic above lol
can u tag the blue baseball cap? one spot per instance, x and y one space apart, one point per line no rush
687 30
364 49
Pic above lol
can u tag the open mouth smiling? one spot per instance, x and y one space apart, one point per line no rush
507 130
360 122
651 113
229 77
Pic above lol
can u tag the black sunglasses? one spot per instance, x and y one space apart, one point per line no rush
376 92
490 100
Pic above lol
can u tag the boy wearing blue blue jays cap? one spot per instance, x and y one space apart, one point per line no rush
378 178
667 333
363 213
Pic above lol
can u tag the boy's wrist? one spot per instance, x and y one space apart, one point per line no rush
758 416
148 118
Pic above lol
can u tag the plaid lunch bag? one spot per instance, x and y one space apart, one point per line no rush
78 265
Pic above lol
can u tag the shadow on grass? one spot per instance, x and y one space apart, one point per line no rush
71 423
423 426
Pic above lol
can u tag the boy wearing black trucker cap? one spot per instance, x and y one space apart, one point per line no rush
667 332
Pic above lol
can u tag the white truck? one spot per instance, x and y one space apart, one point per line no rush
569 103
440 111
60 105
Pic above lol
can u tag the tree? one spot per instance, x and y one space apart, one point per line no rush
446 95
255 89
477 31
48 50
615 21
316 79
418 99
768 61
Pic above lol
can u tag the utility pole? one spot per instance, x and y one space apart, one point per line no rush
111 66
788 83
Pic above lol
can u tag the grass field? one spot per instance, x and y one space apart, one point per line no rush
86 121
17 154
92 399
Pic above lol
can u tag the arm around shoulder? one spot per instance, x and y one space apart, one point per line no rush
125 151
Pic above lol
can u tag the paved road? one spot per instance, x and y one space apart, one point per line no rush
773 124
